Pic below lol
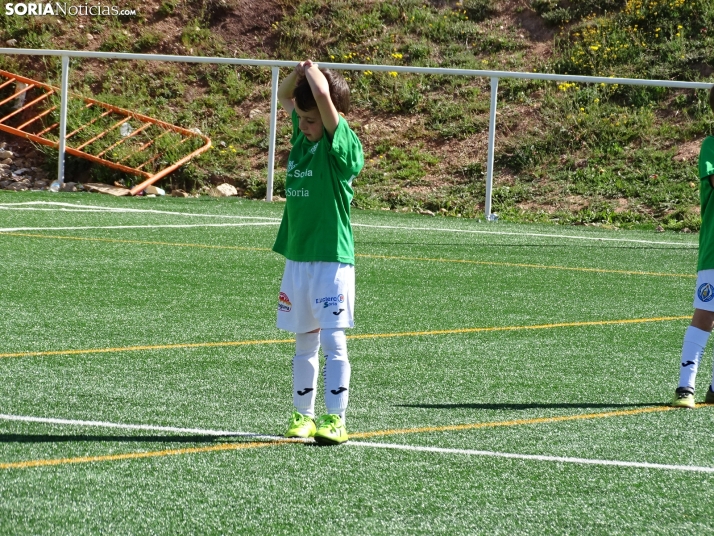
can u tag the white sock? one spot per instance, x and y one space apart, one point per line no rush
306 365
337 370
695 340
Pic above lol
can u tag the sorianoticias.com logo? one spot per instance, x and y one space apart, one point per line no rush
38 9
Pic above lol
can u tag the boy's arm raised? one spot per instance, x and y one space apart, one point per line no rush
321 91
285 90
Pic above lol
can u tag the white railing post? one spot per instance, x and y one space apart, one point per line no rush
271 134
491 143
63 120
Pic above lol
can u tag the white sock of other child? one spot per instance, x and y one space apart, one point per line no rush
695 340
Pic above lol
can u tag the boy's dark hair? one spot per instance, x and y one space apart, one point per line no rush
339 92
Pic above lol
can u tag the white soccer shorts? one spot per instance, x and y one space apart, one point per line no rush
316 295
704 291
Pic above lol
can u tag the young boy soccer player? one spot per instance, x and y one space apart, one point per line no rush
697 334
316 299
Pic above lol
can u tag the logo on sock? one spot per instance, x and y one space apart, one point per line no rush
705 292
337 312
305 391
338 391
686 364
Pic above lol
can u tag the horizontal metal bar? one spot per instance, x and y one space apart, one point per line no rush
361 67
161 174
85 125
146 145
125 138
103 133
144 118
10 81
156 157
51 127
72 151
16 95
38 116
26 106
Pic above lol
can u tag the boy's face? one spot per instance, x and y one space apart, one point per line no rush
310 123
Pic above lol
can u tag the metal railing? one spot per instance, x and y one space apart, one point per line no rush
275 65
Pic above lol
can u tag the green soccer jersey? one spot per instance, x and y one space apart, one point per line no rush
706 234
318 190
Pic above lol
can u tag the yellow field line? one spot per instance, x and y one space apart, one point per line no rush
522 265
518 422
141 242
148 347
359 435
355 337
368 256
135 455
517 328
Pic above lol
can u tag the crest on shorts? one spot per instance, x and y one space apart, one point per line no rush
284 304
705 292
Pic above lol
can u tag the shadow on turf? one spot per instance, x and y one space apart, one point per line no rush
45 438
528 406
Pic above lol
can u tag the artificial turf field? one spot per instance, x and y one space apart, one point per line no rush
506 379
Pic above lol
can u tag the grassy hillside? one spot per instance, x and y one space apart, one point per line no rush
568 153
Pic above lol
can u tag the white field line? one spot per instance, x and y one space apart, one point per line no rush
71 207
537 457
392 446
162 226
77 207
150 427
539 235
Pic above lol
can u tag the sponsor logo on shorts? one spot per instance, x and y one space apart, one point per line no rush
284 304
330 301
705 292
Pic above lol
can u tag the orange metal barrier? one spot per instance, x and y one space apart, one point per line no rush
99 132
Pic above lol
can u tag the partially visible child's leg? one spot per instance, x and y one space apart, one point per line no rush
704 321
695 340
337 370
306 366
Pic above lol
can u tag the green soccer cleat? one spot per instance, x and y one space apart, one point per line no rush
709 397
300 426
683 398
330 430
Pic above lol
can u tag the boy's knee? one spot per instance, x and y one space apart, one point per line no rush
703 320
334 343
306 344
